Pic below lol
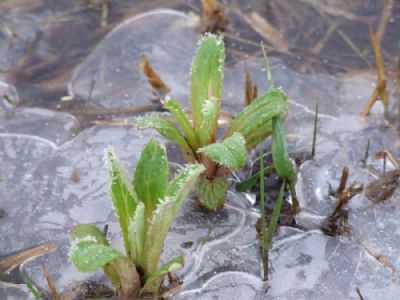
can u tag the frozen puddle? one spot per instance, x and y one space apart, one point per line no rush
56 179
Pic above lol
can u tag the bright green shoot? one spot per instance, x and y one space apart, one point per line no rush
145 207
196 133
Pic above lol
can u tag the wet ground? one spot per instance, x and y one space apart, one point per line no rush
70 71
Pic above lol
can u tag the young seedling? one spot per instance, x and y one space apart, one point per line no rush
197 135
280 156
145 207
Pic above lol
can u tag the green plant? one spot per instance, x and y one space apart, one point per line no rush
197 135
281 162
145 207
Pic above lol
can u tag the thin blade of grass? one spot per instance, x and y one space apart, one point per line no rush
364 161
31 287
262 205
274 217
249 182
314 142
267 67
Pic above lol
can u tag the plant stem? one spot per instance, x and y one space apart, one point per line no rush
295 201
384 163
264 249
364 162
262 203
314 142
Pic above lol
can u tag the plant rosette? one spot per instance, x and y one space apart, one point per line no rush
145 207
196 133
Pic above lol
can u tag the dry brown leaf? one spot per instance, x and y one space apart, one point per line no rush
11 262
158 85
213 17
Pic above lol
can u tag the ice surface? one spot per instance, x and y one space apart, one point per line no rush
168 38
56 127
51 182
41 192
8 90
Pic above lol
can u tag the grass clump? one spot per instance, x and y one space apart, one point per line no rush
196 133
145 207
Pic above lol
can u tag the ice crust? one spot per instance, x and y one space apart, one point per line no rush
53 180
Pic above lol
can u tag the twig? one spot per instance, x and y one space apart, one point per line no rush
384 19
343 181
325 38
380 89
314 142
359 294
50 283
104 13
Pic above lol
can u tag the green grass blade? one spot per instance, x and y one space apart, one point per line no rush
177 111
165 214
246 184
262 204
123 196
153 282
267 67
31 287
231 153
151 176
274 217
206 74
314 141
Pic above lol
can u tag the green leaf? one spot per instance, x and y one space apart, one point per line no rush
280 157
165 214
274 217
128 278
231 153
252 120
123 196
137 234
177 111
88 255
82 231
209 125
167 129
155 279
257 136
212 192
206 74
151 176
250 181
